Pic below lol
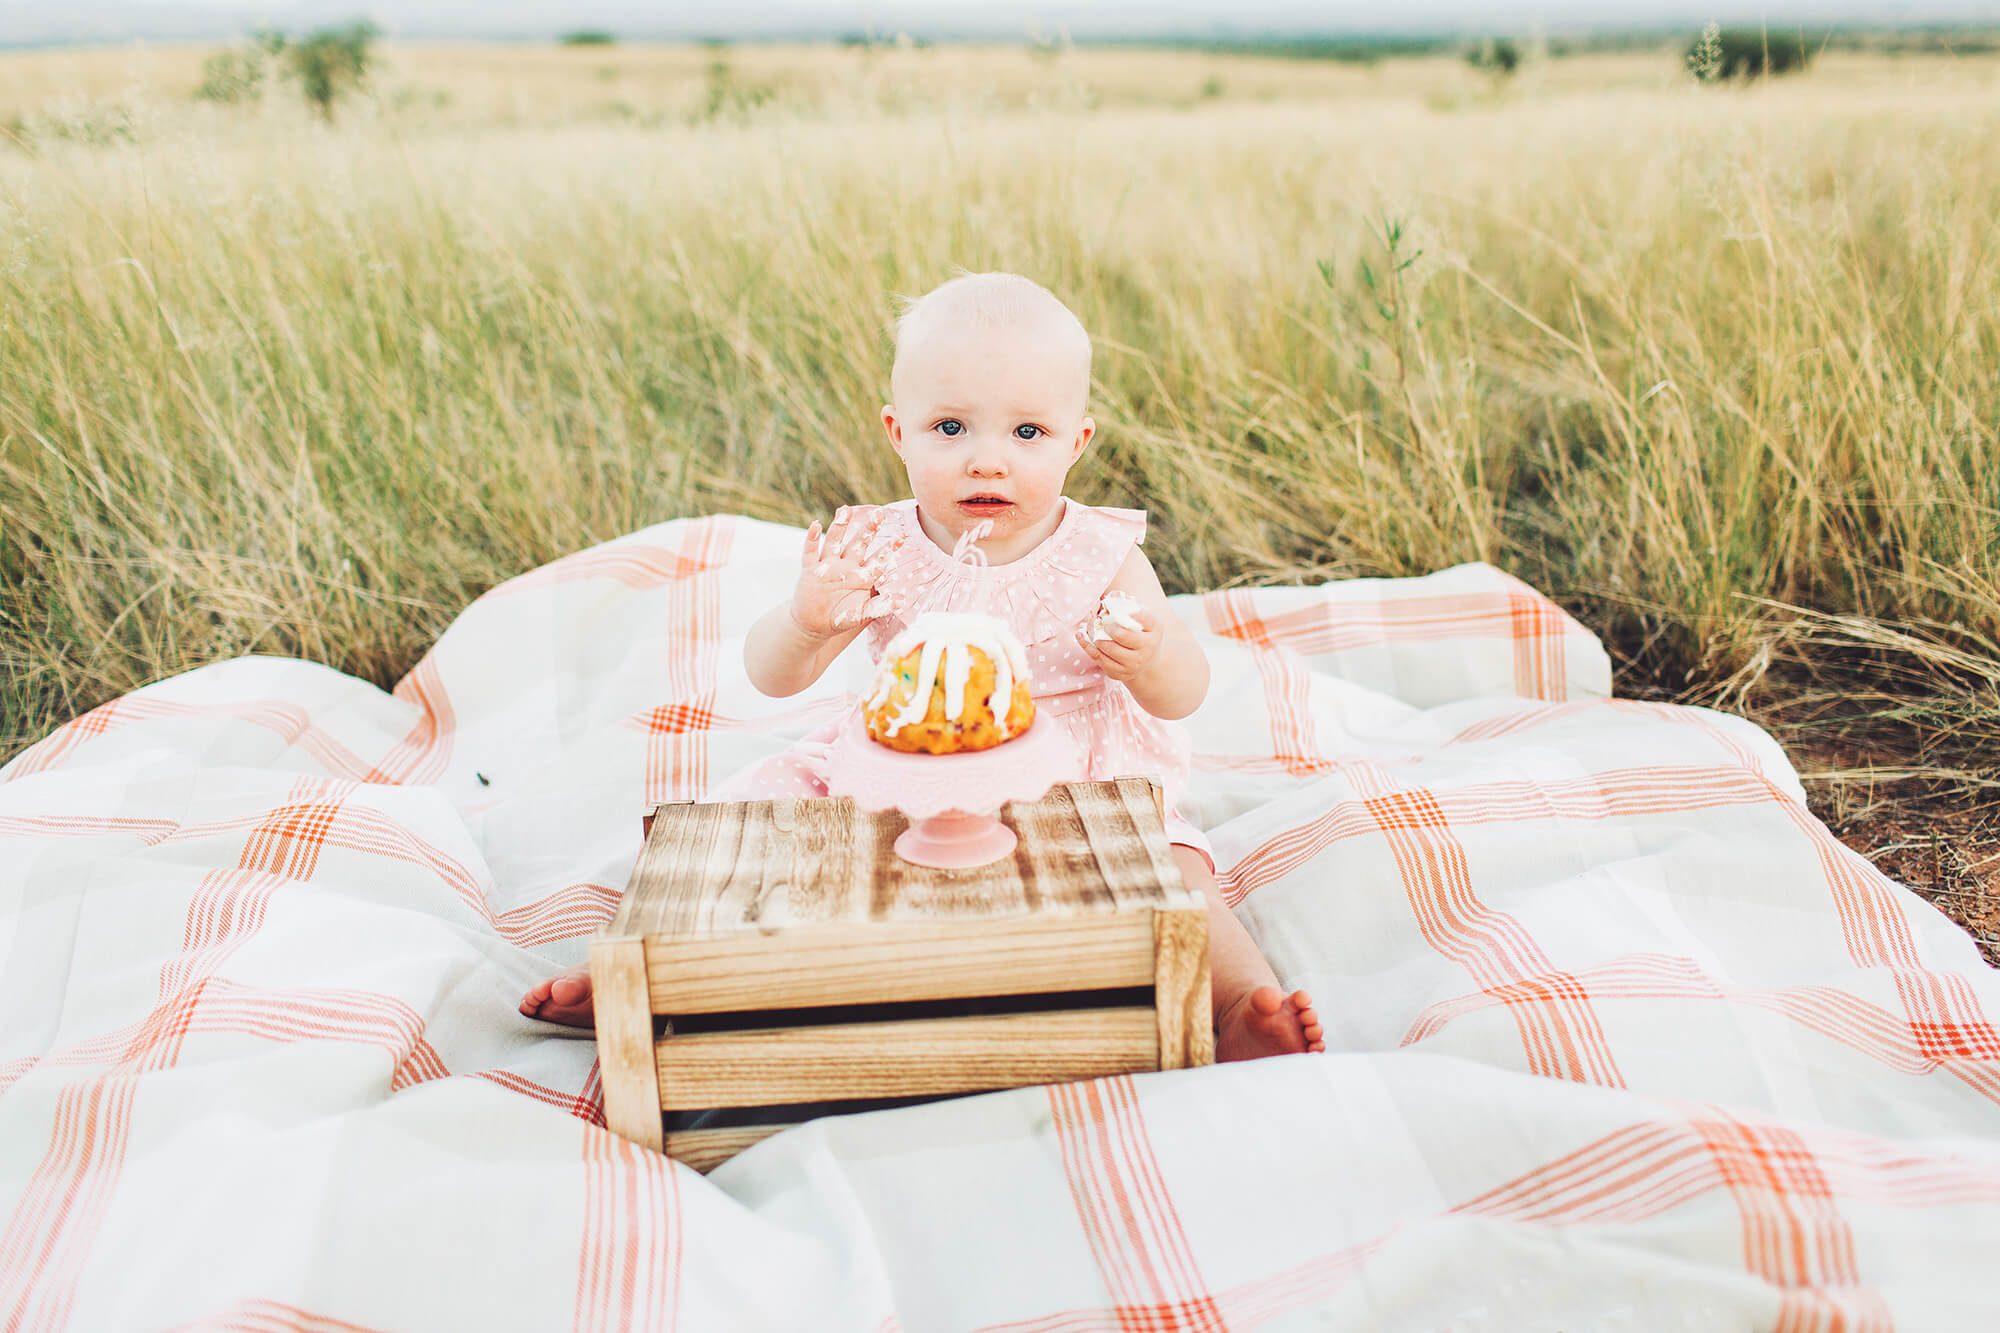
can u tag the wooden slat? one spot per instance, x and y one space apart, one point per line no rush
775 1066
899 960
1158 793
1053 861
1180 990
706 1149
646 820
1129 841
625 1038
726 868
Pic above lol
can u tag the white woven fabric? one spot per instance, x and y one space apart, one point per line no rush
1620 1036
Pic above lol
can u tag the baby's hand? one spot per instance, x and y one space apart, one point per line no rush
1123 637
837 573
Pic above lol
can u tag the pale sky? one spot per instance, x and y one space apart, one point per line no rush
35 21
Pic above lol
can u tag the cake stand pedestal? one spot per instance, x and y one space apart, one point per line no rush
952 800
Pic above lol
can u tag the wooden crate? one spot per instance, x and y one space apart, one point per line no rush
744 920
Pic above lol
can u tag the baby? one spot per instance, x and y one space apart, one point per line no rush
990 382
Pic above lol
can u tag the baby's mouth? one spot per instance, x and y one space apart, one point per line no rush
985 504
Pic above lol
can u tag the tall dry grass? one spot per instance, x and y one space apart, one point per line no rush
1715 367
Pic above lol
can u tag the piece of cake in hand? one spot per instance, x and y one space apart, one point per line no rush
1114 608
952 681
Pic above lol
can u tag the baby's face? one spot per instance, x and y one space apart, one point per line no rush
988 423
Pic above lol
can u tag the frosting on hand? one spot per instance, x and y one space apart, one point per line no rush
1116 608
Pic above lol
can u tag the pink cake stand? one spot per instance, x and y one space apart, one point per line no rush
952 800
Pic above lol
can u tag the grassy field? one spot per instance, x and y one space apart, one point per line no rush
1717 367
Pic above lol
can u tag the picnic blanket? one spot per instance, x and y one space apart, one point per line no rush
1619 1035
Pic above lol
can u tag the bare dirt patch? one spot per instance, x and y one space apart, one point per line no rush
1939 836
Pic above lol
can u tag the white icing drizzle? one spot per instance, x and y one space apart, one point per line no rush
948 638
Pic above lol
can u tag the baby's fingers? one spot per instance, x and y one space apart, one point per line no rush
1126 638
863 534
809 552
867 610
876 563
836 532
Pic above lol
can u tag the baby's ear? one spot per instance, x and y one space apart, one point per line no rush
1083 437
893 428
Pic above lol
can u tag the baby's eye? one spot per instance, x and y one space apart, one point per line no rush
949 428
1028 432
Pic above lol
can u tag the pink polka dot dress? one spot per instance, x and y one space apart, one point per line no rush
1043 596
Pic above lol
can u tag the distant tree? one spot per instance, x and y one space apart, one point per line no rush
1497 55
589 37
1721 54
330 61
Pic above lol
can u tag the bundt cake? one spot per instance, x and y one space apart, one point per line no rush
950 682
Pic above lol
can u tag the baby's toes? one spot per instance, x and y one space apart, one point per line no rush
1309 1024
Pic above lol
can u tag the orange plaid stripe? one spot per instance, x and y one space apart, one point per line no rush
677 760
1561 1036
1832 1013
565 914
53 748
582 1107
1232 614
1294 746
637 567
677 719
1946 1039
45 1244
55 1222
628 1275
1127 1214
423 753
1536 626
1407 810
267 1316
1617 793
1945 1014
287 841
1793 1233
148 831
288 720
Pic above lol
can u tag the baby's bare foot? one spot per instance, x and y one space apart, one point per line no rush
1266 1021
561 999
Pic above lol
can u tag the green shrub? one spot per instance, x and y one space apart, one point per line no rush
727 98
588 37
232 76
98 124
1720 54
1497 55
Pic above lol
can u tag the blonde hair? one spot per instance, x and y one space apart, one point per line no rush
989 301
